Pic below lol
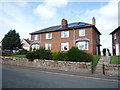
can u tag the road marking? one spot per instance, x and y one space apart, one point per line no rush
47 72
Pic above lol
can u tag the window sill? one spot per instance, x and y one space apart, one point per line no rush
49 39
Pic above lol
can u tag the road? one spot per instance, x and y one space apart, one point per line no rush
25 77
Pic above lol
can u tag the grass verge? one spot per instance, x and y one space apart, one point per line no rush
115 60
95 60
19 56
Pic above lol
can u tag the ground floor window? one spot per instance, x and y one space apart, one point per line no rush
65 46
35 46
83 45
48 46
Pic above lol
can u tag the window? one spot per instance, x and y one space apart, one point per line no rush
65 34
64 46
48 35
35 37
82 32
48 46
115 36
83 45
35 46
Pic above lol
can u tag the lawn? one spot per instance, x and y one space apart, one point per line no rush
19 56
115 60
95 60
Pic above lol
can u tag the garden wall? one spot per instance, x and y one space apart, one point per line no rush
112 69
82 67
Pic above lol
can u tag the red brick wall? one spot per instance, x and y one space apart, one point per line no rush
57 40
117 40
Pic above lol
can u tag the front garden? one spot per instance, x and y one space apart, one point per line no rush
115 60
74 54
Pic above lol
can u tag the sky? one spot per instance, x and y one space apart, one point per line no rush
28 16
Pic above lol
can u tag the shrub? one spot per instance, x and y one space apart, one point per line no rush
30 55
55 55
23 51
74 54
6 53
59 56
62 56
39 54
42 54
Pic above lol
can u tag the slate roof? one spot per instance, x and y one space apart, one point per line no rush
115 30
71 26
27 40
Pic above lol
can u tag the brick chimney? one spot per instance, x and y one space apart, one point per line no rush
93 21
64 23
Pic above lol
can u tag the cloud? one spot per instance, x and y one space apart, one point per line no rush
12 17
23 3
106 15
48 8
106 21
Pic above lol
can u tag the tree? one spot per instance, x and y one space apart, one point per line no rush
11 41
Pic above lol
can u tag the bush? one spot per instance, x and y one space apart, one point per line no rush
59 56
39 54
7 53
23 51
62 56
30 56
42 54
74 54
55 55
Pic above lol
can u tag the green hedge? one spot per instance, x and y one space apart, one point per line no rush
74 54
58 56
39 54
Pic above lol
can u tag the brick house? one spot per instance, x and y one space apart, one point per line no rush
116 41
63 37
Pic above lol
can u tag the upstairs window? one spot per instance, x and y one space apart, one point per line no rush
83 45
48 35
65 46
65 34
35 37
82 32
48 46
115 36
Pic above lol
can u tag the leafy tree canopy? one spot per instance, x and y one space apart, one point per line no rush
11 41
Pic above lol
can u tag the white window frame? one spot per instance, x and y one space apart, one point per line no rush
114 35
85 45
35 37
63 44
65 34
48 35
82 32
35 46
48 46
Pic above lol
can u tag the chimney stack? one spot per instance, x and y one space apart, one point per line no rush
93 21
64 23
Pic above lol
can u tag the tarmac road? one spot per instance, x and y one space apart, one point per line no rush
25 77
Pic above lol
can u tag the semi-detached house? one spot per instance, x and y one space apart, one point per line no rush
63 37
116 41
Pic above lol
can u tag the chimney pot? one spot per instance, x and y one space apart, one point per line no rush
64 23
93 21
